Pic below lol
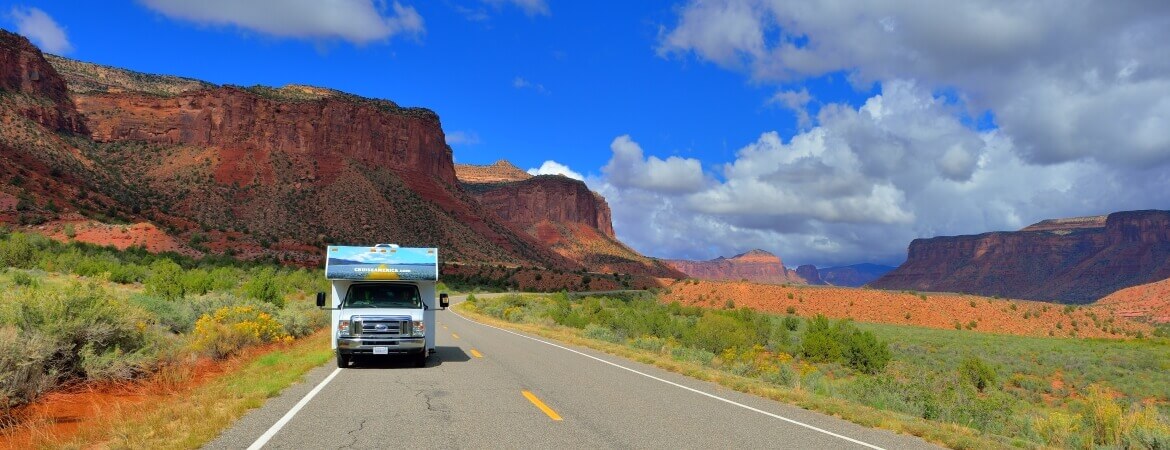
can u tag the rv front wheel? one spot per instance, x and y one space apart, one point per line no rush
342 360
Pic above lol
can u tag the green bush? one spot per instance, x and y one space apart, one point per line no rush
866 354
263 286
21 278
594 331
844 343
976 372
165 279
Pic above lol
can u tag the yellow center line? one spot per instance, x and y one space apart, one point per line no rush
456 336
539 404
476 353
444 327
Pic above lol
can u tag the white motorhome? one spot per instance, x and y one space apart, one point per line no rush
382 300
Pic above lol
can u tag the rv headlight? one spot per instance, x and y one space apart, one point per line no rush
418 329
343 328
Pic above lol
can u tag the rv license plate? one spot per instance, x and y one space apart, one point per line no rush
381 350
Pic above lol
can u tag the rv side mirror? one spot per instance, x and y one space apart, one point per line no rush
320 299
444 300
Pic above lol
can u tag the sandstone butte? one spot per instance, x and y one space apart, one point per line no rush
559 212
855 275
755 265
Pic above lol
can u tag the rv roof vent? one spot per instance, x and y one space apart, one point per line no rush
387 245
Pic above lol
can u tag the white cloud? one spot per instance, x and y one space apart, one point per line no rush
797 101
462 138
861 185
1066 81
628 168
357 21
530 7
555 168
522 83
41 29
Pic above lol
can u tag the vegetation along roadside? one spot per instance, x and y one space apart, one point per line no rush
74 315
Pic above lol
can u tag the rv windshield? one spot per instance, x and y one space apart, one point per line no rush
382 295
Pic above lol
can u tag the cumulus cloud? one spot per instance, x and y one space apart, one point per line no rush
628 168
1066 81
462 138
860 185
530 7
555 168
41 29
357 21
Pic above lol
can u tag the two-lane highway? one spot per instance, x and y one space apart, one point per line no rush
490 387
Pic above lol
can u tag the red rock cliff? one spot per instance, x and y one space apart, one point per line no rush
23 70
326 130
756 265
1077 264
525 200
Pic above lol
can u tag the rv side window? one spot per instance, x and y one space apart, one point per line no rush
382 295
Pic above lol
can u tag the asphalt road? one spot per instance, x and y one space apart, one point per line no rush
491 388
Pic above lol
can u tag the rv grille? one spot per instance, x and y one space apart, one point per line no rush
384 326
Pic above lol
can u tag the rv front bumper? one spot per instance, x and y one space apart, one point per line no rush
372 346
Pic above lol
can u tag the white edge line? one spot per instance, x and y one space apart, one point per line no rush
264 438
716 397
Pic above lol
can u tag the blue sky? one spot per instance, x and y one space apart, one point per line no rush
828 132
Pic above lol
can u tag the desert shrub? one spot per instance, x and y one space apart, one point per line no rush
24 358
176 317
1058 429
263 286
694 355
165 279
196 281
128 273
594 331
650 343
1102 416
20 250
232 328
1144 427
782 375
842 342
822 342
22 278
978 373
715 333
865 353
302 318
93 334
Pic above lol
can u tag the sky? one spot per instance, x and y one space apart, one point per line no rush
830 132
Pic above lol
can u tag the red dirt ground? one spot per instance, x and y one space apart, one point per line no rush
58 416
121 236
1143 302
906 308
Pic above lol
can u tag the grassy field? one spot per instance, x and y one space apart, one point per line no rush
961 388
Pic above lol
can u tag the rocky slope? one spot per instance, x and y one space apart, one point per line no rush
274 171
559 212
1074 261
755 265
1147 302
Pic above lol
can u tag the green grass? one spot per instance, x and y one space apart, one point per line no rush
1137 368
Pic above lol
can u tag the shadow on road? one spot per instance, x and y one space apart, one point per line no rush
442 355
